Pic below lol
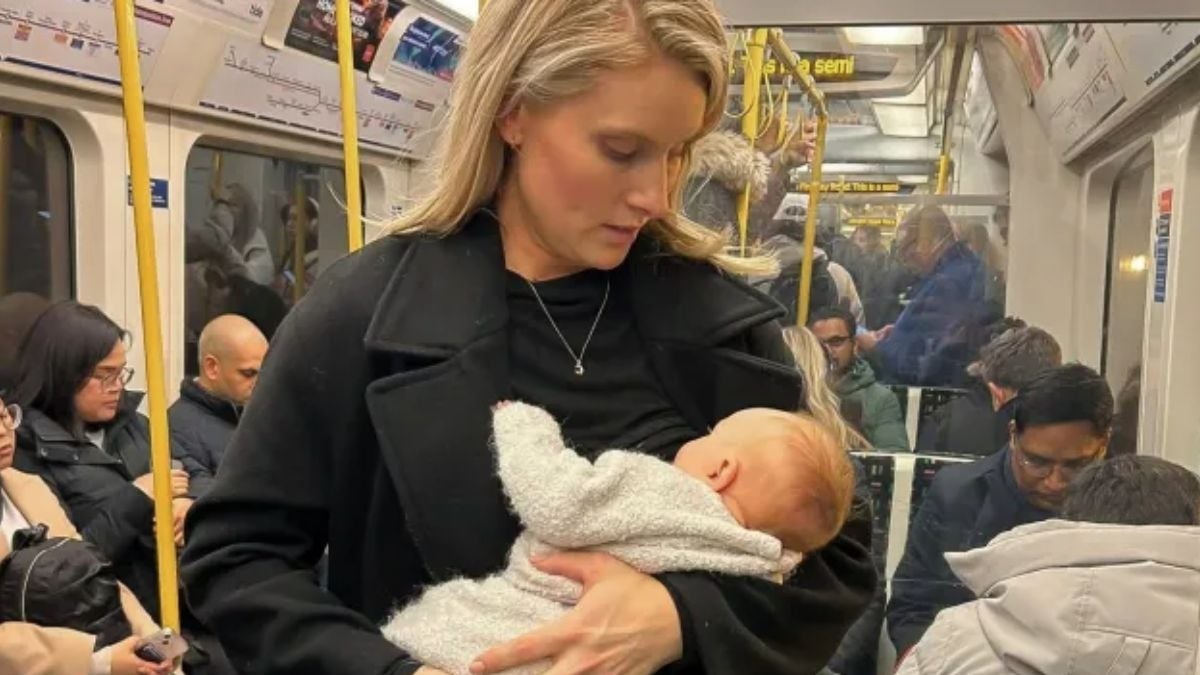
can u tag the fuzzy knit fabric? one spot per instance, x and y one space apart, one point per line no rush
637 508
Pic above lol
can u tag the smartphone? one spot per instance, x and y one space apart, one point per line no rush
163 646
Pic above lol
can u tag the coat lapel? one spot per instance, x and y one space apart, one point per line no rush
439 337
692 320
36 503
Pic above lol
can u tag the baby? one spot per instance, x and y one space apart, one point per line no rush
749 499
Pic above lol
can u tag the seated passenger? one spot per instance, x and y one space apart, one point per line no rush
762 489
1060 425
84 437
1112 588
927 345
29 649
977 424
854 381
206 415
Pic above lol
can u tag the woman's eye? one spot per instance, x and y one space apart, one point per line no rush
620 156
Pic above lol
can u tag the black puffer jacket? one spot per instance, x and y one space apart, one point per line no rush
96 487
202 425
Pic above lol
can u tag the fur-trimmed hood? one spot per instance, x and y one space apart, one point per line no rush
730 160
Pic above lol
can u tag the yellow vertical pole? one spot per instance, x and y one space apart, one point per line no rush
354 235
139 176
751 84
810 227
299 242
943 179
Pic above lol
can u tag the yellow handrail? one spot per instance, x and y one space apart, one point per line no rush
817 97
139 177
755 49
354 235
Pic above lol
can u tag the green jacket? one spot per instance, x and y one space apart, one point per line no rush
882 421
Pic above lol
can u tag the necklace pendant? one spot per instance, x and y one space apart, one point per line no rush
578 368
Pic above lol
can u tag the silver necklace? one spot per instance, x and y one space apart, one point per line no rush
578 358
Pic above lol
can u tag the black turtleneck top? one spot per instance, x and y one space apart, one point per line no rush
617 402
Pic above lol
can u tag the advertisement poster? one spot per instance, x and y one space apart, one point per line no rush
76 37
429 48
313 28
1153 50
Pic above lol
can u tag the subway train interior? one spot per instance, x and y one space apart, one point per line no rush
1061 138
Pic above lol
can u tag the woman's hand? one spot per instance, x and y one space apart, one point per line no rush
179 483
625 624
179 508
125 662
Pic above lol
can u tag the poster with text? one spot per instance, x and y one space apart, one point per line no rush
429 48
313 28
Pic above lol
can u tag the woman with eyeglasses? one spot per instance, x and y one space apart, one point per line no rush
83 435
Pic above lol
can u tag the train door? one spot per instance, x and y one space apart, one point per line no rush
1129 258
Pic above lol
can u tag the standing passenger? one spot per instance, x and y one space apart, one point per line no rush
548 264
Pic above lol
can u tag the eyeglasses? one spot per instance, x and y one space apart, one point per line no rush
836 342
114 378
11 416
1040 467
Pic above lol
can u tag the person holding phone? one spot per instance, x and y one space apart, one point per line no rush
28 649
83 435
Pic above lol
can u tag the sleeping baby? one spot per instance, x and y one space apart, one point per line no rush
749 499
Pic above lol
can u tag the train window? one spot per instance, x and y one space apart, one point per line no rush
1125 307
242 248
35 209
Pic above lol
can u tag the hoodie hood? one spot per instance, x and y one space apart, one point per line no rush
860 377
731 161
1066 597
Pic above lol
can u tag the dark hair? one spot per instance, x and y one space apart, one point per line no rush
59 354
1015 358
1070 393
1134 490
310 210
834 313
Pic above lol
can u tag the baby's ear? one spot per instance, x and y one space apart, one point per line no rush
724 473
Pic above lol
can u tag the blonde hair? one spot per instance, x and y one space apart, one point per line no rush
819 398
542 51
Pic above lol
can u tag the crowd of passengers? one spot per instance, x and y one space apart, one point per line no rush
548 265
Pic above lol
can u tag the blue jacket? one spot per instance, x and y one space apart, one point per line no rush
967 505
202 424
928 344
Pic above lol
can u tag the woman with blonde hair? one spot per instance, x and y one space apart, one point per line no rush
548 264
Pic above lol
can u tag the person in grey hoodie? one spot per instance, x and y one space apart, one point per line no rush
1113 588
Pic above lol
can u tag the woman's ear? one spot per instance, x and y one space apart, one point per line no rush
511 127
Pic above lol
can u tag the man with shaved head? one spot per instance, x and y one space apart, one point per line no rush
205 416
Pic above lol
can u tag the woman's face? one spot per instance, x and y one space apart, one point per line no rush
98 399
588 173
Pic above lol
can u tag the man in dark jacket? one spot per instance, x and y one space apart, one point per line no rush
882 421
1060 425
205 416
930 342
977 424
